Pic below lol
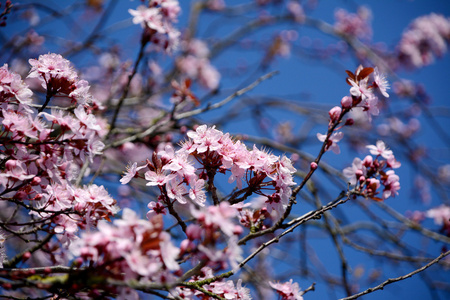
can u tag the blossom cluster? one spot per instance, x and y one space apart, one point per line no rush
369 174
178 180
362 97
129 249
225 289
355 25
426 37
157 19
441 216
84 207
213 236
42 152
58 77
195 64
204 241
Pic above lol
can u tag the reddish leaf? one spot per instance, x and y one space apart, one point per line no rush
351 75
187 83
364 73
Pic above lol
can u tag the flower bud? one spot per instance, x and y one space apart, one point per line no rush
335 113
347 102
349 122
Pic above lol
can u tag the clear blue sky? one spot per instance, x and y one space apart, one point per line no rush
323 85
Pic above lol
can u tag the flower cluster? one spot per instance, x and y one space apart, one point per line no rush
363 92
221 288
130 248
178 180
157 19
195 64
355 25
59 77
214 226
83 208
42 152
362 97
12 87
369 174
441 216
425 38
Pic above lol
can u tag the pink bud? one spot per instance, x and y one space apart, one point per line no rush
26 255
335 113
36 181
368 160
347 102
194 232
78 262
313 166
11 164
349 122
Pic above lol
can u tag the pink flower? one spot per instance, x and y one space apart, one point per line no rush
391 184
158 178
12 85
87 120
54 70
176 191
131 173
148 16
296 10
360 89
287 290
16 170
332 141
440 214
426 37
392 162
356 25
169 252
196 193
156 208
159 18
354 172
381 82
379 149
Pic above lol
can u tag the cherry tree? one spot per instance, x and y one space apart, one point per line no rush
142 157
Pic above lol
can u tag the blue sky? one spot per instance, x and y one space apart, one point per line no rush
321 84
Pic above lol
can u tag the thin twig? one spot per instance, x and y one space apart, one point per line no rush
392 280
226 100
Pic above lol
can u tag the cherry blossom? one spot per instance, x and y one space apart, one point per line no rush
332 141
130 248
130 173
288 290
196 193
12 85
380 149
381 83
158 17
426 37
369 174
